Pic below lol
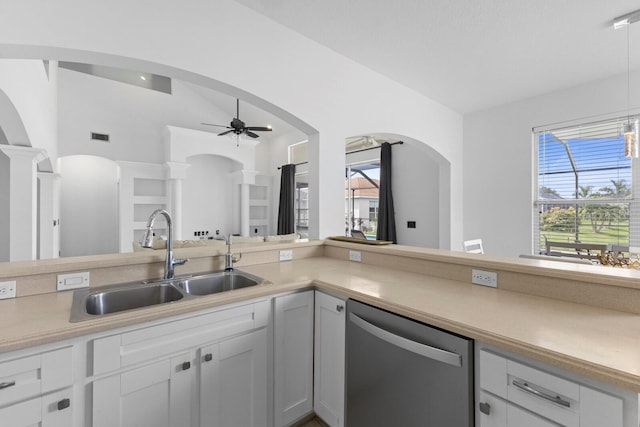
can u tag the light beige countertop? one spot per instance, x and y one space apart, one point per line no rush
597 342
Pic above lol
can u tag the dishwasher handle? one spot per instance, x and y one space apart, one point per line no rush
437 354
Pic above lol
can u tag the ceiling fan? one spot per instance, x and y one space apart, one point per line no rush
238 127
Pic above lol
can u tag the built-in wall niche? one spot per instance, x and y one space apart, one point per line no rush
259 206
148 195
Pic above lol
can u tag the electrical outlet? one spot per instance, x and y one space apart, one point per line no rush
286 255
484 278
355 256
8 289
73 281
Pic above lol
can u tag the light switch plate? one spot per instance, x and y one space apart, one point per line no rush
73 281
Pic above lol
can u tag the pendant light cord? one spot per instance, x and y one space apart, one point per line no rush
628 77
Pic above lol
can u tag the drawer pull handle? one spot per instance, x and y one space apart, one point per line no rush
529 389
186 366
7 384
485 408
208 357
64 404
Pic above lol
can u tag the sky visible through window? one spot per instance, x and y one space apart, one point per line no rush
597 160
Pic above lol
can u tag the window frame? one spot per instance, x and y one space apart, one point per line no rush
633 201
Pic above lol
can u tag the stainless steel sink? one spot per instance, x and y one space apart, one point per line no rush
120 299
91 304
221 281
88 304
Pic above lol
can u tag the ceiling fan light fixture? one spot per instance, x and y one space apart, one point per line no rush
237 127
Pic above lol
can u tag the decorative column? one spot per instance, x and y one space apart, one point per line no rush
176 173
49 220
23 201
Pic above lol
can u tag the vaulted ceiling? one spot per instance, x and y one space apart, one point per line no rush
470 54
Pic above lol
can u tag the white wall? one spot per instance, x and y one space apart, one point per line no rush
416 187
207 194
88 206
498 158
277 70
5 234
33 94
133 117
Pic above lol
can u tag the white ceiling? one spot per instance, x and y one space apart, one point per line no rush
470 54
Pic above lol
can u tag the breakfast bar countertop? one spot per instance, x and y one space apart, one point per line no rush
596 342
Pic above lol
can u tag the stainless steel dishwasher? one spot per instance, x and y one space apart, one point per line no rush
404 373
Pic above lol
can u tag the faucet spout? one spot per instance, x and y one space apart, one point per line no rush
147 241
229 259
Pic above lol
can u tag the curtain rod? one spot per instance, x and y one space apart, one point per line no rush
357 151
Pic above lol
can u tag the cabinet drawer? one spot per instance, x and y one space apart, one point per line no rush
548 395
34 375
52 410
560 400
139 345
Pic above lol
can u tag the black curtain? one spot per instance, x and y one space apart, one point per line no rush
286 207
386 214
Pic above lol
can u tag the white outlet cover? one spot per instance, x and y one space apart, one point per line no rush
355 256
286 255
8 289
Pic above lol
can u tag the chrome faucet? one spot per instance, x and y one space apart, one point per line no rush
147 242
229 259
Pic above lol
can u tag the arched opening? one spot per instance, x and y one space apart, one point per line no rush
420 184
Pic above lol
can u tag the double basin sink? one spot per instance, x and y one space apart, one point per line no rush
91 304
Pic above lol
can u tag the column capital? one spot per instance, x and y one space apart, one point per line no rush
17 151
244 176
176 170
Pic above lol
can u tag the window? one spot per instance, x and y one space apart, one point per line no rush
302 205
373 210
299 155
584 192
362 188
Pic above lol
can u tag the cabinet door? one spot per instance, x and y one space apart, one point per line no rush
600 409
517 417
328 393
233 382
491 411
155 395
52 410
57 409
293 357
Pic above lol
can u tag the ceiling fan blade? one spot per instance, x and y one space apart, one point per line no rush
211 124
260 128
225 132
251 134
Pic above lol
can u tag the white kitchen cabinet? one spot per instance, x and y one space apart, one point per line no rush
36 389
293 357
207 369
51 410
233 382
514 392
329 359
155 395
